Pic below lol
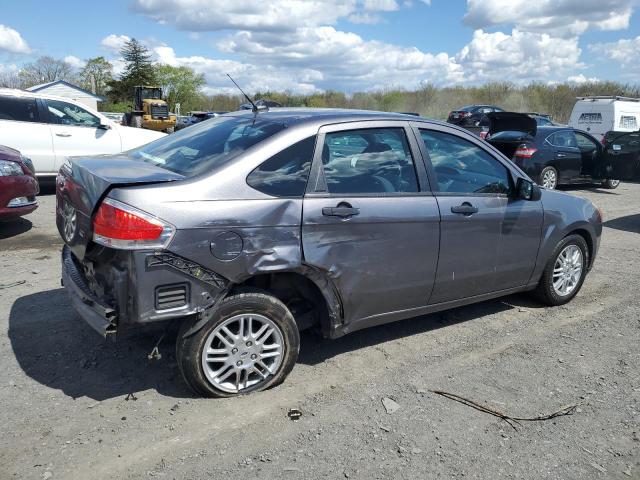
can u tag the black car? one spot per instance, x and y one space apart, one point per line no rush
550 155
472 115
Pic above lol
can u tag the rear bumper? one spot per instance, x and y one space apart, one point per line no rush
135 288
101 318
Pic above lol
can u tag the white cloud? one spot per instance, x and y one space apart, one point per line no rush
257 15
74 61
345 60
555 17
582 79
114 43
521 56
11 41
625 51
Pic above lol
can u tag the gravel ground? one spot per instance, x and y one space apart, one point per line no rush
75 406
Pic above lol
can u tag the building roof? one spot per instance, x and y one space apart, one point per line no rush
43 86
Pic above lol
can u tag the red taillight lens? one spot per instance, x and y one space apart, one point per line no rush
465 114
525 151
121 226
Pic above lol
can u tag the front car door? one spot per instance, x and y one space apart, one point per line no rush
75 131
370 221
590 151
22 128
621 157
489 239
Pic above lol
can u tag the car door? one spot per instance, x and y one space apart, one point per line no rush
76 131
370 222
567 159
621 157
590 151
22 128
488 238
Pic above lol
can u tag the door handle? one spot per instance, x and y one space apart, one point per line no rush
342 210
465 209
63 134
561 155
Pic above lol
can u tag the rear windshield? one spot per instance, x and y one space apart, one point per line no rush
207 145
468 108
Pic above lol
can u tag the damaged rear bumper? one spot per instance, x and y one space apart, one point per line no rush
101 318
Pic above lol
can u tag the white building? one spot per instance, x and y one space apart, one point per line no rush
61 88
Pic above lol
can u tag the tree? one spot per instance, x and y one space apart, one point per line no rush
179 85
96 75
46 69
138 70
11 79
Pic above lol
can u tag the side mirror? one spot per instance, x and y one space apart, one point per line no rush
104 125
527 190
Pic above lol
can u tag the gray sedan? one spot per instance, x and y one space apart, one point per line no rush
250 227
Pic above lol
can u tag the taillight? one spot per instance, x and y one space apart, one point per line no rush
119 225
465 114
525 151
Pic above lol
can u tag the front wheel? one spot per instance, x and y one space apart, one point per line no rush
250 343
611 184
549 178
564 274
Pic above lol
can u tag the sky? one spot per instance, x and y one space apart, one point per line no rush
307 46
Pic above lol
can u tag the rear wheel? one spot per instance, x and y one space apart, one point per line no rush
564 274
549 178
136 121
249 343
611 184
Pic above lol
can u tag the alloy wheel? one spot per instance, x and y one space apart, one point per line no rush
549 179
567 270
243 351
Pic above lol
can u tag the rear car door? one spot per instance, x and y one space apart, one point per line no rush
621 157
567 158
22 128
75 131
370 222
489 239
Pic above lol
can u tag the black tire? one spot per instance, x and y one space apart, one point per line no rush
545 291
611 184
136 121
189 347
545 171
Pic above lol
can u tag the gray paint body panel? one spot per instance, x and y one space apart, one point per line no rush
394 260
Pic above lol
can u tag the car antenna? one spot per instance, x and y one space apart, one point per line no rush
254 107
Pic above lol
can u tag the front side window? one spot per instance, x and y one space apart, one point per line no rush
368 161
286 173
207 145
565 138
462 167
63 113
585 144
18 109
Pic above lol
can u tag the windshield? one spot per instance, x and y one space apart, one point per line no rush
206 145
154 93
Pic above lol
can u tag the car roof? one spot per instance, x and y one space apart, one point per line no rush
15 92
291 116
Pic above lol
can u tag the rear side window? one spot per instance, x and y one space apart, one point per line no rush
376 160
286 173
18 109
628 121
463 167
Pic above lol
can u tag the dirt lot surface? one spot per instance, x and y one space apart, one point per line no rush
75 406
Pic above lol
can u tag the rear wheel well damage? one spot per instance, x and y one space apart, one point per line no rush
310 305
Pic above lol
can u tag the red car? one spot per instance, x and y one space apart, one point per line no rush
18 184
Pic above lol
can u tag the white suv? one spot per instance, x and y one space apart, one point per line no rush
48 129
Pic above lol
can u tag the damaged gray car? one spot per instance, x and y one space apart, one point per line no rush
253 226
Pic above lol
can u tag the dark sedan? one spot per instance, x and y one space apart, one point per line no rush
551 155
472 115
18 185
